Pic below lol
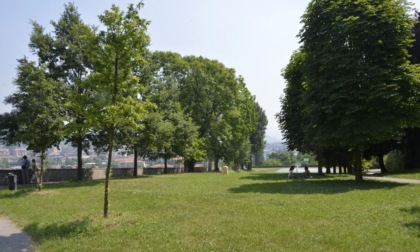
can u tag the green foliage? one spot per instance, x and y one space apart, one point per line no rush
273 162
414 50
258 136
394 161
292 118
37 110
284 158
221 106
117 55
356 74
65 55
350 85
168 132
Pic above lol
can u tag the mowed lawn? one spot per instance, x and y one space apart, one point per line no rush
242 211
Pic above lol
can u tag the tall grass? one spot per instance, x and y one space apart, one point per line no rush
245 211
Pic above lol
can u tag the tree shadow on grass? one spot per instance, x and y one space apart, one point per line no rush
283 176
89 182
312 186
57 230
72 184
16 194
414 225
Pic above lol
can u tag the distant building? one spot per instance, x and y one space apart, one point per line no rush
4 152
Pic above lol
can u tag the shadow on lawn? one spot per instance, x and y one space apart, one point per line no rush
283 176
89 182
14 194
414 225
309 186
55 230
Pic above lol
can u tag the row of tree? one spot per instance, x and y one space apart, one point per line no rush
351 90
105 88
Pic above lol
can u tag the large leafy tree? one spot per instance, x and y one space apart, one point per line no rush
210 96
411 146
64 53
242 119
257 138
168 131
358 80
117 58
37 116
292 118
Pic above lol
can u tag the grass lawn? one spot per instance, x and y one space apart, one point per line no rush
408 174
245 211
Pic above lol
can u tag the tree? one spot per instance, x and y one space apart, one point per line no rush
358 79
117 56
37 111
167 135
258 136
411 146
292 118
168 132
65 55
210 95
243 120
414 49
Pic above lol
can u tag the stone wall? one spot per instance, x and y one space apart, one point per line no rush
161 170
55 175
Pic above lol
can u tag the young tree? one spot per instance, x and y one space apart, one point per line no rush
117 57
358 80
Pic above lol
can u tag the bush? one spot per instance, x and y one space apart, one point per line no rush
394 161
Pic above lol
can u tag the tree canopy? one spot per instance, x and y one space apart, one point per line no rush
352 77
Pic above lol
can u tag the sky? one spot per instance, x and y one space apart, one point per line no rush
256 38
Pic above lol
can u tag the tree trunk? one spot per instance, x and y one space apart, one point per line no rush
107 175
319 159
216 164
79 159
189 165
319 167
135 172
41 171
328 169
357 154
335 169
249 166
165 169
340 169
382 163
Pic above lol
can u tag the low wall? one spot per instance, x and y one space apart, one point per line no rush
161 170
52 175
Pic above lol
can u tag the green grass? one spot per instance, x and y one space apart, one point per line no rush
408 174
245 211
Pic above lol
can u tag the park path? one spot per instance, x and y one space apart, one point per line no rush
395 180
13 238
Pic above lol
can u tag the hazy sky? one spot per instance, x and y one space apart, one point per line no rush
256 38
